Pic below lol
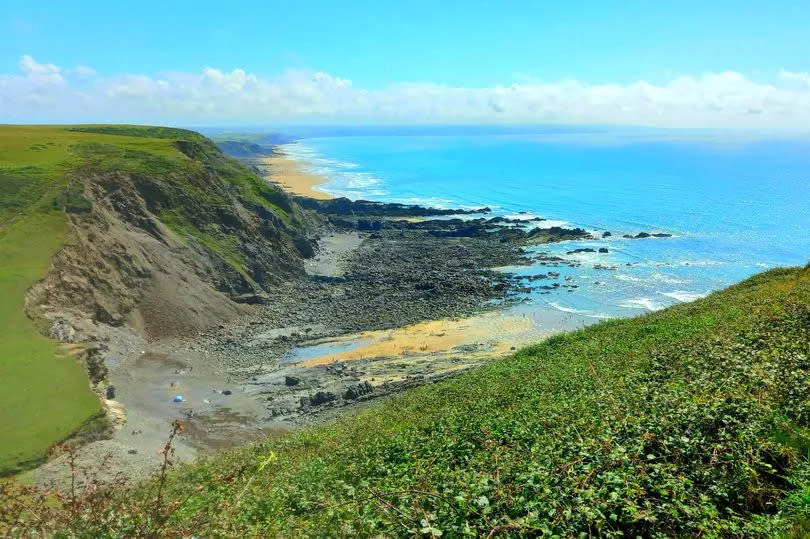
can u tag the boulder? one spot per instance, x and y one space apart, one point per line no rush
322 397
253 298
358 390
62 331
290 381
642 235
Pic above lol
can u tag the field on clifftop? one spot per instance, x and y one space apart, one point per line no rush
44 390
92 193
692 421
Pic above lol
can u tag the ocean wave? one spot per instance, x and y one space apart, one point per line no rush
346 180
683 296
571 310
601 316
704 262
299 151
523 216
342 178
628 278
548 223
666 279
434 202
566 309
642 303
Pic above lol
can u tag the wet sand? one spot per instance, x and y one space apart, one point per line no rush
496 333
289 175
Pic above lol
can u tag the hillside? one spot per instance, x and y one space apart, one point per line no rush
108 226
690 421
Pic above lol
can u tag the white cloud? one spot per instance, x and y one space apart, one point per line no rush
84 72
46 92
47 73
792 76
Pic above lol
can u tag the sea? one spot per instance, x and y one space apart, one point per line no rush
735 203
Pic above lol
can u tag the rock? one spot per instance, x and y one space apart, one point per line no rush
606 234
227 392
254 298
358 390
96 367
583 250
133 451
106 317
110 393
642 235
321 397
62 331
603 249
291 381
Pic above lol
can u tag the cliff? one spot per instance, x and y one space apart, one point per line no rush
150 229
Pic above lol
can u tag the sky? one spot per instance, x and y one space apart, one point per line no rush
671 64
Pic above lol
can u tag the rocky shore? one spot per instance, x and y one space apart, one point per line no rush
390 296
389 299
396 273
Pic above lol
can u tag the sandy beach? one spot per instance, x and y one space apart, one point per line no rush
497 331
288 174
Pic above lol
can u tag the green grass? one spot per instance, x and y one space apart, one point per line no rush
44 395
44 392
687 422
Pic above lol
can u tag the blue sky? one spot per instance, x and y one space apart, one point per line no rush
377 45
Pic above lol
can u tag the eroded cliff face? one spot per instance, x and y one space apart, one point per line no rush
171 252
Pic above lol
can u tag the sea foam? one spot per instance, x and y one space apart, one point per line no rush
683 296
642 303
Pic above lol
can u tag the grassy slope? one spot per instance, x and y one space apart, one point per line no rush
44 395
693 420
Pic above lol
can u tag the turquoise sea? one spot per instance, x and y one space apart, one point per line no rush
736 203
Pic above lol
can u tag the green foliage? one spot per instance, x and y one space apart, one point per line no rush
692 421
72 200
18 187
211 236
138 131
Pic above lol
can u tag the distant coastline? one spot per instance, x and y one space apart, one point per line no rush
290 175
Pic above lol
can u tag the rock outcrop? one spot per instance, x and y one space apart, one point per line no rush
171 251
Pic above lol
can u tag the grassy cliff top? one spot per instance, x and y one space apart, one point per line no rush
691 421
44 391
45 172
35 160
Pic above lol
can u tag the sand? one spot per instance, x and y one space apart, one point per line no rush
289 175
497 331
